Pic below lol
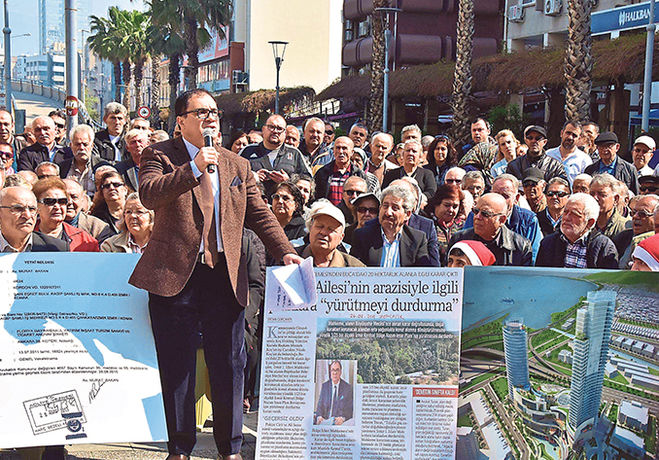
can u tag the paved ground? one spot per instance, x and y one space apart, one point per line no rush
204 449
34 105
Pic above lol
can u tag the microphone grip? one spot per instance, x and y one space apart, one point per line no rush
208 142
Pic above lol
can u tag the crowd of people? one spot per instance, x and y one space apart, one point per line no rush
347 201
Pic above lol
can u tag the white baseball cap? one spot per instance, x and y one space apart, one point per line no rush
328 209
647 141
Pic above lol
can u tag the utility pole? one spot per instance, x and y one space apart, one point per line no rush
71 61
647 77
7 33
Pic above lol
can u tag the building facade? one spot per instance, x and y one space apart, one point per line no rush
517 363
44 69
591 346
424 31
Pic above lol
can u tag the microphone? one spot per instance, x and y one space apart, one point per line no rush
209 134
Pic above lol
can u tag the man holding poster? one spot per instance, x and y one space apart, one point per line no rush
193 269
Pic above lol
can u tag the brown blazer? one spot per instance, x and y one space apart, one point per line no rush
168 186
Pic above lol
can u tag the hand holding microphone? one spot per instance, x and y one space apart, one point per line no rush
209 135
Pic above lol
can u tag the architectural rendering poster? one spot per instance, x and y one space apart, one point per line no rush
559 364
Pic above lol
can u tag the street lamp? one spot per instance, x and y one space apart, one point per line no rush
386 14
278 50
7 33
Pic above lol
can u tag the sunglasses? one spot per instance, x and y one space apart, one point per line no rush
365 209
109 185
484 213
535 138
60 126
647 188
6 155
54 201
352 192
557 193
453 181
329 131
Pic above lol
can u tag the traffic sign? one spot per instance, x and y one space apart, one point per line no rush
71 105
144 112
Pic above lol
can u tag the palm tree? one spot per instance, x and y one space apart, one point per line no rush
578 68
460 130
135 41
376 94
167 39
102 43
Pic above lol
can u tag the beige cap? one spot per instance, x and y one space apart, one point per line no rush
647 141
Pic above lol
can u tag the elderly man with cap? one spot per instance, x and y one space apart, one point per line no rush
649 184
611 163
534 189
536 139
642 153
469 252
326 226
578 244
646 255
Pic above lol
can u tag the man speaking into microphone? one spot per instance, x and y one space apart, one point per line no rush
192 268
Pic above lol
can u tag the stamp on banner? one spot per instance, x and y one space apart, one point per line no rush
57 412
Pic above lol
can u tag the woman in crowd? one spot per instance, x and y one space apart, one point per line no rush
444 207
359 159
238 141
441 157
110 200
287 204
508 144
136 228
52 200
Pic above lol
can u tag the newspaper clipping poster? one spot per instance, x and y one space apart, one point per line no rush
368 371
77 358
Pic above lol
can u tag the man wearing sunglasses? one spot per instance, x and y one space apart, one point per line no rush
194 271
44 149
642 211
490 215
18 216
535 138
557 192
272 159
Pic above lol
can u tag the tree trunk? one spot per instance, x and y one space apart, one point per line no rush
578 61
376 94
125 69
116 67
460 101
556 98
192 51
155 94
174 81
138 74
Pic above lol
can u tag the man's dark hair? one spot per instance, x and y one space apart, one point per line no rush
336 361
360 125
487 123
574 123
58 113
591 123
181 104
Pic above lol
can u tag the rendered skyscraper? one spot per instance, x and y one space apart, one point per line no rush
517 363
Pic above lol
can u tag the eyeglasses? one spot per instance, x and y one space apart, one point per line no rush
6 155
138 213
109 185
284 198
352 192
329 131
203 114
557 193
60 125
484 213
275 128
453 181
54 201
366 209
648 188
641 213
17 209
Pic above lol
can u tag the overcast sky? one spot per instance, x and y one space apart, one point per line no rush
23 18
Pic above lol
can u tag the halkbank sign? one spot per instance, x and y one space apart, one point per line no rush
625 18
